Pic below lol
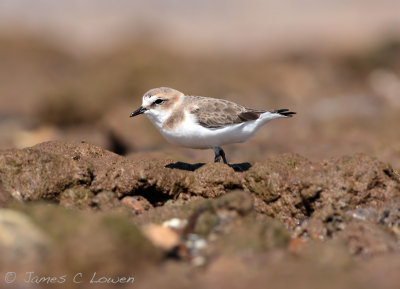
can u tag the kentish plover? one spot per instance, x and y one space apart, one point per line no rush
203 122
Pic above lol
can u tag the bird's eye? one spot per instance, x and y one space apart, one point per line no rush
159 101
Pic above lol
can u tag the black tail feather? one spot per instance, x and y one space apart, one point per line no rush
284 112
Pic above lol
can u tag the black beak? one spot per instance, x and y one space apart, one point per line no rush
140 110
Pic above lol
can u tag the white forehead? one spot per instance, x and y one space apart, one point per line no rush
148 99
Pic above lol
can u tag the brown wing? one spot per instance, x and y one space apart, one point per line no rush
216 113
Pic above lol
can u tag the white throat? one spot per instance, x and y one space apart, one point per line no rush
158 116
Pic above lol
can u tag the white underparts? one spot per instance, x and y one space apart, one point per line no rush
191 134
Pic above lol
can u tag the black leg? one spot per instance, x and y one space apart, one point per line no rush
217 157
222 153
219 152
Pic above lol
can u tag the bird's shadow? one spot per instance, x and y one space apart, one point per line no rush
192 167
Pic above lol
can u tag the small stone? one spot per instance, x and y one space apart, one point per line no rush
364 214
162 237
296 245
137 203
105 201
199 261
195 242
175 224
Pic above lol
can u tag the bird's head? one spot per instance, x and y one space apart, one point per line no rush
158 103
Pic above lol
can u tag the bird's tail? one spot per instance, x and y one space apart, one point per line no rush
284 112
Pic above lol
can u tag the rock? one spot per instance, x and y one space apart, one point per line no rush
76 198
389 216
296 245
4 196
67 242
136 203
210 213
254 234
288 187
39 175
21 239
261 205
105 201
294 189
162 237
331 256
367 239
175 224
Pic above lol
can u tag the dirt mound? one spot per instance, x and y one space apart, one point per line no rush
287 216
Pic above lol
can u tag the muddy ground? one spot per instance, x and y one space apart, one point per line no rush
69 208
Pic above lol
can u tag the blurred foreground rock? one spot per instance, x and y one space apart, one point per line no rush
287 222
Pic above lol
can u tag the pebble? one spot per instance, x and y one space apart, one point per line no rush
162 237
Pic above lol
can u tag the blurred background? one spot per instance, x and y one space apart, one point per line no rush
74 70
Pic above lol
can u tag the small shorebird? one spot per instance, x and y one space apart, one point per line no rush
203 122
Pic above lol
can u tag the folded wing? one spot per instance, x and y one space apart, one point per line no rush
217 113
